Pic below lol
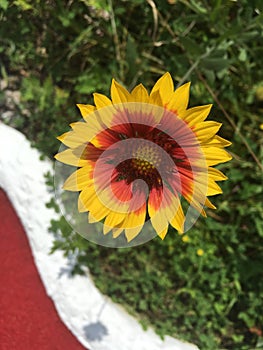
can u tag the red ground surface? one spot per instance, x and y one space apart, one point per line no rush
28 318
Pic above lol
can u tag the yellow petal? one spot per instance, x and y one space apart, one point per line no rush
135 218
179 99
116 232
92 219
85 110
134 222
94 124
195 115
79 179
87 131
101 100
140 94
196 201
131 233
216 174
70 158
163 233
209 204
215 155
206 130
89 201
118 93
72 139
164 210
178 220
97 209
85 197
218 141
62 137
165 86
213 188
82 130
159 222
113 219
156 99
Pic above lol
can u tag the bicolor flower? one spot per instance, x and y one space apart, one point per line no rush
140 155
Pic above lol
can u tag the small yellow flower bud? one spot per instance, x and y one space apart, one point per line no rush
185 238
200 252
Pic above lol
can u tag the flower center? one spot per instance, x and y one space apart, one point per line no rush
143 164
145 159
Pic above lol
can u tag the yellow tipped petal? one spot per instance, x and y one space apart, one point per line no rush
136 218
140 94
165 86
167 210
179 99
81 205
62 137
97 209
131 233
86 131
118 93
92 219
203 213
101 100
163 233
213 188
114 219
68 157
216 174
195 115
81 128
116 232
159 222
165 81
196 203
206 130
86 196
72 139
89 201
79 179
106 229
85 110
116 222
178 218
134 222
215 155
218 141
155 99
209 204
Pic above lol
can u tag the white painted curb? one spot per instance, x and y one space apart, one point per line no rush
96 321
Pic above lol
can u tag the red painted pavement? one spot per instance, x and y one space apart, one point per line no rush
28 318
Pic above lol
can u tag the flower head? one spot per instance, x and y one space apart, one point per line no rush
139 154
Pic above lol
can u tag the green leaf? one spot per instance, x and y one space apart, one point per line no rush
191 46
24 5
4 4
242 55
247 319
215 64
